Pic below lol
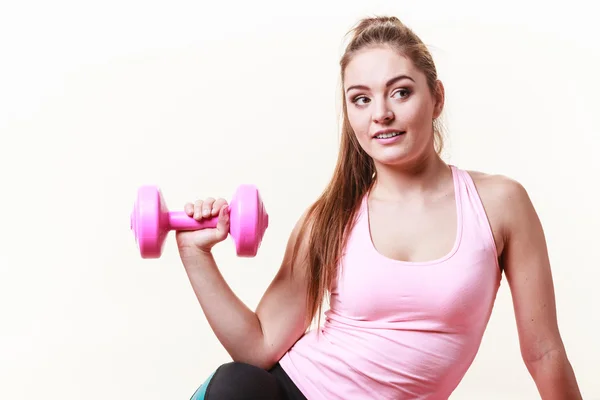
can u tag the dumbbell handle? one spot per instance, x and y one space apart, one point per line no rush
179 220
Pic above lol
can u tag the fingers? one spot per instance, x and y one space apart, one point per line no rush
203 208
218 205
223 222
189 209
207 208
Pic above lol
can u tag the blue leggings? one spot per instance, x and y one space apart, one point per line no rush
240 381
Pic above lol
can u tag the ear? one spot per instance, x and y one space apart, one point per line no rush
439 99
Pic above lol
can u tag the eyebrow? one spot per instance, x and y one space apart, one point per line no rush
388 83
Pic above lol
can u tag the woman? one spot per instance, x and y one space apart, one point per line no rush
410 251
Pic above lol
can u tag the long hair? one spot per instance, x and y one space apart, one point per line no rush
332 215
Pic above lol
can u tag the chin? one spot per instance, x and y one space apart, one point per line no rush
392 157
392 161
401 155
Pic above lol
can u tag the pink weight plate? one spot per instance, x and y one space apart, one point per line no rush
248 220
149 221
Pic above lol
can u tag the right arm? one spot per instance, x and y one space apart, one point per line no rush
258 337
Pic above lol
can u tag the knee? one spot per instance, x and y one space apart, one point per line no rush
200 393
237 380
235 368
221 372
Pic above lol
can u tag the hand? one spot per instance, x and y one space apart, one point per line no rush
205 239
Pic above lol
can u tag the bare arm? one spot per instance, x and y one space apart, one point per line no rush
259 338
527 267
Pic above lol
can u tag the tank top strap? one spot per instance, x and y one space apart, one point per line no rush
475 215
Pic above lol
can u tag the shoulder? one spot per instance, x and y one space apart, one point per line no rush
506 202
505 194
504 189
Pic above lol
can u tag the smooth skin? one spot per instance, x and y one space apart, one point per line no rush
413 184
258 337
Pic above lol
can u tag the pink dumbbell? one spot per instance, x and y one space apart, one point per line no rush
151 221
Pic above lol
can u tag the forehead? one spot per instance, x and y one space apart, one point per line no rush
373 67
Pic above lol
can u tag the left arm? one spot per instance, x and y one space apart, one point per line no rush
527 267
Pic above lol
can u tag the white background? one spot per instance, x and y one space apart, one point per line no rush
97 98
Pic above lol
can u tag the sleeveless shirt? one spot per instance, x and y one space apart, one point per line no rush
400 329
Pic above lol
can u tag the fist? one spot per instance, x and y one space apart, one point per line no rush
205 239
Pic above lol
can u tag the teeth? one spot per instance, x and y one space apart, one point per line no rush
388 135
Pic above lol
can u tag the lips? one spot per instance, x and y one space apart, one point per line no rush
387 133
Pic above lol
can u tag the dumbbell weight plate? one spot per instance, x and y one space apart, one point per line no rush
149 221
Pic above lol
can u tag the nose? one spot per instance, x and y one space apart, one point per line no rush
383 114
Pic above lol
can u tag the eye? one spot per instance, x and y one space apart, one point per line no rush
360 100
402 93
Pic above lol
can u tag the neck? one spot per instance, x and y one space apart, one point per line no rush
400 182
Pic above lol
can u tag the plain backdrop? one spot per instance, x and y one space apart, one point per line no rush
98 98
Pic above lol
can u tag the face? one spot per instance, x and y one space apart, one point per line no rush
390 106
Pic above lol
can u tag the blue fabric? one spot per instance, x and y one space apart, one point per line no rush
201 391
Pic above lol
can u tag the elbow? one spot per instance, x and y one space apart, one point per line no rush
271 352
269 359
267 364
259 362
263 358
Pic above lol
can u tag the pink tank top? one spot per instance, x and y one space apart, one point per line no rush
402 330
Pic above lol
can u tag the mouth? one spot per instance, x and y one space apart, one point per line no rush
388 134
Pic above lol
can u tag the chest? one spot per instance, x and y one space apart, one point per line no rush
450 293
428 264
417 232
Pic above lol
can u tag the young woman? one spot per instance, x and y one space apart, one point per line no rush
410 251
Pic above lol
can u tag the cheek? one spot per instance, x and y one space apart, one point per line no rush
411 115
417 115
360 122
